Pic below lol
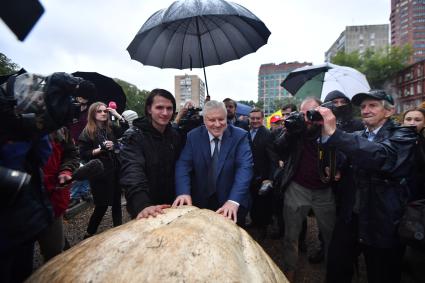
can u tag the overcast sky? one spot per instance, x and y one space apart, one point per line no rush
81 35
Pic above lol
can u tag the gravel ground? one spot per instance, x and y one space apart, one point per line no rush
75 228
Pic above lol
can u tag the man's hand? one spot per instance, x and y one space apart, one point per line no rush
328 174
329 121
229 210
63 178
182 200
183 111
153 210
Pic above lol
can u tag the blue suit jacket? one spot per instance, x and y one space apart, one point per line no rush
234 171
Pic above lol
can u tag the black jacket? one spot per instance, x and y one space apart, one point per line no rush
105 186
382 169
289 147
264 155
147 165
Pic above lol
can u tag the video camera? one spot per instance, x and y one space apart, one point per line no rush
33 105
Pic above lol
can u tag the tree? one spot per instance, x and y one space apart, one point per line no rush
135 97
377 65
7 66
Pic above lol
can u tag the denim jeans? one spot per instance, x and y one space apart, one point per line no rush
79 189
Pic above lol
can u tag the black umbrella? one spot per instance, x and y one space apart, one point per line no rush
198 33
107 89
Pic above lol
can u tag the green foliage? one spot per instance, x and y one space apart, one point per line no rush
7 66
278 103
378 65
259 104
135 97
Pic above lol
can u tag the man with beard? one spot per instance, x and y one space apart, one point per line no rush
231 115
305 186
344 189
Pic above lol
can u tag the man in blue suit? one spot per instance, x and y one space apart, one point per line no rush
214 170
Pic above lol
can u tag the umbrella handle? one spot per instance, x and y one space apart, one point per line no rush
202 55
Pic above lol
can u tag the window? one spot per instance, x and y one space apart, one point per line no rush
419 88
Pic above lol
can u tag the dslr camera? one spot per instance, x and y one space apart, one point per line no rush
191 120
295 123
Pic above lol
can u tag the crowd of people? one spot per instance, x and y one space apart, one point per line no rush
356 176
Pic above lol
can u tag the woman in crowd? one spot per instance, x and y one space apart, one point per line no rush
414 259
99 141
416 117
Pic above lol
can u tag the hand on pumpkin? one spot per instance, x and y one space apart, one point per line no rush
229 210
182 200
153 210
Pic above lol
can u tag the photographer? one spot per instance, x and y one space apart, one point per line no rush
32 106
303 183
188 119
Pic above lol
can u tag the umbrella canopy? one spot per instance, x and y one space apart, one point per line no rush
107 89
243 109
319 80
198 33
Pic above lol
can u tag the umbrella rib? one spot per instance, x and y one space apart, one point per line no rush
212 40
151 46
243 35
169 45
228 39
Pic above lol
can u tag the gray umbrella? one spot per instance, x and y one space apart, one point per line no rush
198 33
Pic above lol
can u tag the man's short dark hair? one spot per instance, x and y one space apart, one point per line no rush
231 101
161 92
255 109
289 105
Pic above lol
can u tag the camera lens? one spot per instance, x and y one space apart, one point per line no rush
314 115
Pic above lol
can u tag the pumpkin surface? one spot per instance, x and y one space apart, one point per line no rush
185 244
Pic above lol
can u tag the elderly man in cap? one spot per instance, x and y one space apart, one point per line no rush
381 160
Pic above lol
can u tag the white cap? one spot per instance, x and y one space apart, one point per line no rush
129 116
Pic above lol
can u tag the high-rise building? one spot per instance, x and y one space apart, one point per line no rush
269 78
410 86
359 38
189 87
408 26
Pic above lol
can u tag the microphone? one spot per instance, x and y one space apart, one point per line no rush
112 105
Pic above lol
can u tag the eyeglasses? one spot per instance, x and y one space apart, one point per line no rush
100 111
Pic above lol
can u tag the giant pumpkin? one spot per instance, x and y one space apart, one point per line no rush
186 244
